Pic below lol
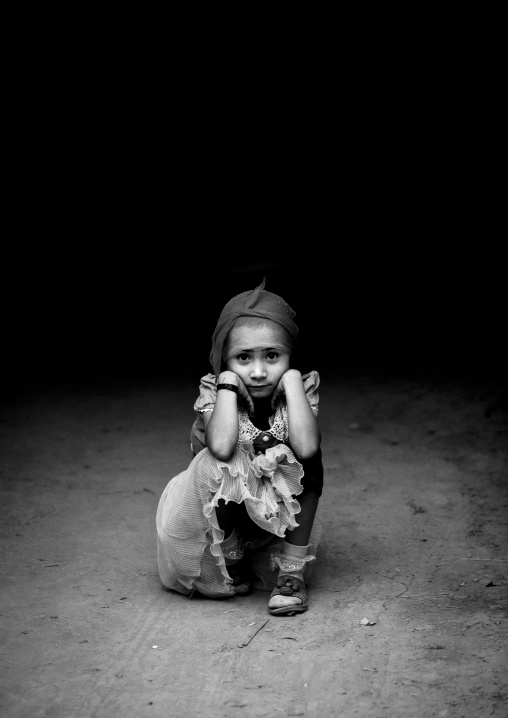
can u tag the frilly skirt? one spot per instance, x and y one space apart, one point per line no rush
189 538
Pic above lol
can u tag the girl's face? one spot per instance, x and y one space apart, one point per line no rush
259 358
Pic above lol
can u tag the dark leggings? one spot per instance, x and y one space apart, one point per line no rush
313 474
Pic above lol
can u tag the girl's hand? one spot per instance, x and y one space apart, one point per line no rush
229 377
287 379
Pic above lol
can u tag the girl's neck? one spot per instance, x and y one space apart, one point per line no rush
262 411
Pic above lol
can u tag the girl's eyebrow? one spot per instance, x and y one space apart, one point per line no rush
263 349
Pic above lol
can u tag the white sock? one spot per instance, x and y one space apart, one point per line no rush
231 548
292 551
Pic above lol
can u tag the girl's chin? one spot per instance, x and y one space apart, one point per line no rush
261 393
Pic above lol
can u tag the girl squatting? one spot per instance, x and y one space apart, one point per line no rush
242 515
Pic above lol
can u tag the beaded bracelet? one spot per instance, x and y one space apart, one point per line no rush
231 387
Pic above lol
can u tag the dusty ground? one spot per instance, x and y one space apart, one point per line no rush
415 541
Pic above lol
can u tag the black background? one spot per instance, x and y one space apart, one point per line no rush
129 234
86 313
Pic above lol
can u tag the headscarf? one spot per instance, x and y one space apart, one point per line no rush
253 303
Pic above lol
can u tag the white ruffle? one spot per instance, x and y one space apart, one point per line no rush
188 533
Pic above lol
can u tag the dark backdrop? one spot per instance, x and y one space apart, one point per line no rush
137 211
86 312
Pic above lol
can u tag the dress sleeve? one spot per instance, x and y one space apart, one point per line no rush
207 394
311 383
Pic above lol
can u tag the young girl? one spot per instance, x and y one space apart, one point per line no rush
232 518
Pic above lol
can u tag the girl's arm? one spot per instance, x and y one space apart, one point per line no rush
221 427
304 434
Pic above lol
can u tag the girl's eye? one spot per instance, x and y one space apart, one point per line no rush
243 357
272 355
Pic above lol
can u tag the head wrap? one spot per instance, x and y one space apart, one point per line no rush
253 303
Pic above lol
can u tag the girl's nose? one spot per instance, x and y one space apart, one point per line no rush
257 370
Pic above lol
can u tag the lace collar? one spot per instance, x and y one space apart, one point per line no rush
278 425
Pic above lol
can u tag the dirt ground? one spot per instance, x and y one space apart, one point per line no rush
414 541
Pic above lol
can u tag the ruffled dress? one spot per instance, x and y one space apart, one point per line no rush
189 552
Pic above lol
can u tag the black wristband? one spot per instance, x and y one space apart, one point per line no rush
231 387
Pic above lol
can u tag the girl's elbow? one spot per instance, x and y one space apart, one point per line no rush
308 450
307 453
222 454
221 451
221 445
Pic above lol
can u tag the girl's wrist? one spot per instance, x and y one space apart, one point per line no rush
228 377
